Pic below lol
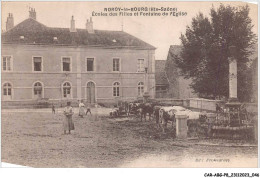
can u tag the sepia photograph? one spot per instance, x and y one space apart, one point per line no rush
129 84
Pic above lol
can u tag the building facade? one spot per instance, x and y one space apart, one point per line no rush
60 64
179 87
161 80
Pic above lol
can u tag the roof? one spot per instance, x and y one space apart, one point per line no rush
36 33
160 75
175 49
172 70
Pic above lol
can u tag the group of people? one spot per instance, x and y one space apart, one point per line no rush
68 124
82 109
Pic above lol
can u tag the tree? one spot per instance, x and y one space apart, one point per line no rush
204 56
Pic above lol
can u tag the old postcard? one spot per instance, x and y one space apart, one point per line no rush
129 84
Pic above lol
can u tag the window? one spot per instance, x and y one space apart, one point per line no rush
7 60
37 63
163 87
116 64
66 90
140 65
66 64
116 89
7 91
37 90
90 64
140 88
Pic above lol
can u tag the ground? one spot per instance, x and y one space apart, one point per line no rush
35 138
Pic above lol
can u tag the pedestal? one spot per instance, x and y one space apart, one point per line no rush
234 112
146 96
181 126
211 118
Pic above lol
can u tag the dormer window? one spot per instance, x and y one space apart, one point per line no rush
55 38
21 37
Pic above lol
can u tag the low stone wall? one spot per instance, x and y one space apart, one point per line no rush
17 104
210 105
204 104
37 104
199 104
170 101
57 103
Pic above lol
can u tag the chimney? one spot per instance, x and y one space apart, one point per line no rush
89 25
9 22
72 25
32 13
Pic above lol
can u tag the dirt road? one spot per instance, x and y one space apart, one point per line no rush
36 139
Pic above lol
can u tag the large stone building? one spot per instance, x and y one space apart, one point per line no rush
60 64
169 83
161 80
179 87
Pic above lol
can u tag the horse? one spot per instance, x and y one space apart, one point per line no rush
146 108
114 112
133 108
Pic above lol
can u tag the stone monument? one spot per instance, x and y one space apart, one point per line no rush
233 104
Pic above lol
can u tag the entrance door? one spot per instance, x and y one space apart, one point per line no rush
66 90
91 92
37 90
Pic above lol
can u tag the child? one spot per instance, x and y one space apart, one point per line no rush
53 109
88 110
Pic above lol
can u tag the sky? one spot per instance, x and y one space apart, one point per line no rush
160 32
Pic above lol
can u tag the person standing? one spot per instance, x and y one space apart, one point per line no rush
68 124
81 108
